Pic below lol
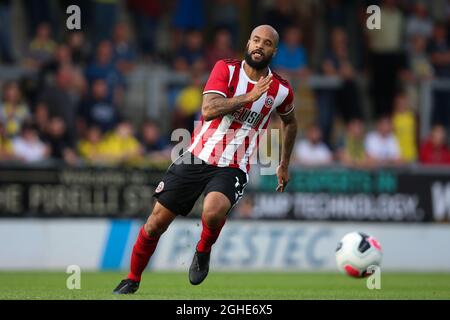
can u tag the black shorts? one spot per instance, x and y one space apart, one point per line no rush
184 182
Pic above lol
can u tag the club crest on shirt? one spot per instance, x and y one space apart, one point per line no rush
160 187
269 102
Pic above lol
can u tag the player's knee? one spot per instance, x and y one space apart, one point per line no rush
159 220
154 228
156 225
214 213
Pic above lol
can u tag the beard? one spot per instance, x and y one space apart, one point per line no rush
258 65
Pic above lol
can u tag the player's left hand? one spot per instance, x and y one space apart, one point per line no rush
283 177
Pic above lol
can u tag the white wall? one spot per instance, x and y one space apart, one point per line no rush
243 246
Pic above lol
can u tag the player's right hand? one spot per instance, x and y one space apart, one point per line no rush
260 87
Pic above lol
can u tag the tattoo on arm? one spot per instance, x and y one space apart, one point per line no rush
214 105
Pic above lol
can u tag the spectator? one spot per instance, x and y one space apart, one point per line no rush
79 48
120 145
191 51
338 62
41 117
13 110
57 138
99 110
92 148
419 69
387 57
405 128
388 42
188 104
439 51
381 145
435 149
352 152
418 60
291 58
221 48
60 100
312 151
153 144
124 54
41 48
103 67
28 147
62 57
345 99
419 22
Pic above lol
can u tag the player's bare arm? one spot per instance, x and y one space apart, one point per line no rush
289 133
214 105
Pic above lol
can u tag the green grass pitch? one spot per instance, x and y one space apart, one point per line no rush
219 285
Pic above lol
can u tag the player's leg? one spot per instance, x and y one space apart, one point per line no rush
222 192
215 208
146 242
176 194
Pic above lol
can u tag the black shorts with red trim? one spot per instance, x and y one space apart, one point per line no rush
188 177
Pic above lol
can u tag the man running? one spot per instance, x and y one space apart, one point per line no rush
238 100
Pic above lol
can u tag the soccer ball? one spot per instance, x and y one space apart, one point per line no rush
356 252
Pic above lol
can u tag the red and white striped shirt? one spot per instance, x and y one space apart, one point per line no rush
229 140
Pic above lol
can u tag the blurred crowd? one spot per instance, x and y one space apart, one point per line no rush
70 105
